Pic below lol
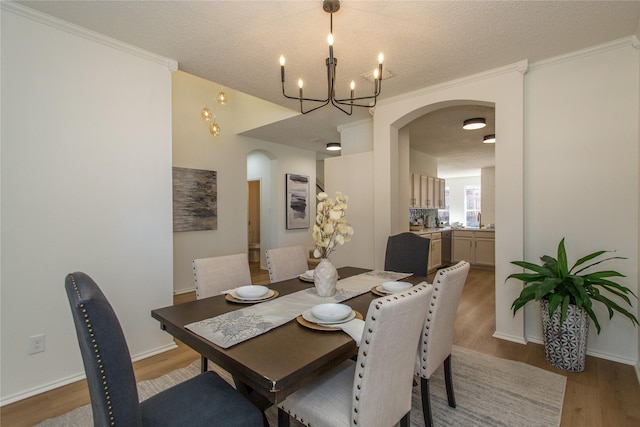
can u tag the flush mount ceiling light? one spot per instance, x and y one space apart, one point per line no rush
334 146
476 123
345 104
489 139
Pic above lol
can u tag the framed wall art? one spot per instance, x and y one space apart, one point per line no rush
195 199
297 189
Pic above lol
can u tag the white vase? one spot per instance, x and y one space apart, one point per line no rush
325 277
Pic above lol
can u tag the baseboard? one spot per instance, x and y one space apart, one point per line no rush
77 377
183 291
511 338
605 356
638 371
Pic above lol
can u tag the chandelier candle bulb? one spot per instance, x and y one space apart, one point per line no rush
282 68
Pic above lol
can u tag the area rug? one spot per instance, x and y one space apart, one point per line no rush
489 391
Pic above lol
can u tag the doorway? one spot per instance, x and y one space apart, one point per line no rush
253 220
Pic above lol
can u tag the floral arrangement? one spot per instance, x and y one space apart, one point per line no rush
331 226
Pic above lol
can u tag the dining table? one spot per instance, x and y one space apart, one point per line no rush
270 366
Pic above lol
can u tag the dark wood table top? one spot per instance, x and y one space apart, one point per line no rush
280 361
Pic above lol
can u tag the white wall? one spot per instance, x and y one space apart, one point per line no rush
581 172
86 185
423 164
194 147
488 195
352 175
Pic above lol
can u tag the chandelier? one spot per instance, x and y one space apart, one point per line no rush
345 104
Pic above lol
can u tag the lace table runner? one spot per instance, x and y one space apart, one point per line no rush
240 325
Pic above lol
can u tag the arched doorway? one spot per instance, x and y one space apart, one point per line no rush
505 89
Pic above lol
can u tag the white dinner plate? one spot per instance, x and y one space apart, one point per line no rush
309 317
393 287
268 295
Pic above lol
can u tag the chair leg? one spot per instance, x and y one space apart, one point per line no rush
406 420
448 379
283 418
426 402
204 364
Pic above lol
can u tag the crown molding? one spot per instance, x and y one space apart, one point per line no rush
42 18
582 53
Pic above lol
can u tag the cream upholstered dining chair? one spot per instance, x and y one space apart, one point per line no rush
407 253
375 390
437 338
216 274
286 263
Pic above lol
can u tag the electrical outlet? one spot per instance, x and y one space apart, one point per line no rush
36 344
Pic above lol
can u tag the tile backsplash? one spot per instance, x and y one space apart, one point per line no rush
424 214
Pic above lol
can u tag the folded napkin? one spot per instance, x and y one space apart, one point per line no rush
354 328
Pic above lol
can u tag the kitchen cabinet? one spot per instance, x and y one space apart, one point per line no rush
415 200
435 249
439 193
476 247
435 252
427 192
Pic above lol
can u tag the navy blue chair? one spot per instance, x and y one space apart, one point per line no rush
407 253
205 400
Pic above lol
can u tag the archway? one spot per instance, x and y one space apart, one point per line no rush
505 89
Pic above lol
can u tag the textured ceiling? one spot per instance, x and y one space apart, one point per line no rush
238 43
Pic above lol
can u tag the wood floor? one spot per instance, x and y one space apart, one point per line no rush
605 394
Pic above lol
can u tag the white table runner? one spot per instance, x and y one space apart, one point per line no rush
240 325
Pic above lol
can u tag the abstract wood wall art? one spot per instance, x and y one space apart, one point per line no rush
195 200
297 201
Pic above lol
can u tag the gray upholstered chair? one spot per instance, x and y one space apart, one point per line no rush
375 390
216 274
407 253
205 400
437 338
286 263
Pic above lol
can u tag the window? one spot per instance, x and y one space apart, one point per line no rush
471 205
443 214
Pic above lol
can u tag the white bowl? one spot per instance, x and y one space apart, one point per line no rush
331 312
309 274
251 291
396 286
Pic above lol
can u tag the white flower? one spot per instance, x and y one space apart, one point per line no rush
331 227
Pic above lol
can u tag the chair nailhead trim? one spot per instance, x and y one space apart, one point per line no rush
96 350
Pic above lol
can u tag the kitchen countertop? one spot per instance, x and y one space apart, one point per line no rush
432 230
474 229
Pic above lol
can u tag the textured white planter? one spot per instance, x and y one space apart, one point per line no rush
565 347
325 277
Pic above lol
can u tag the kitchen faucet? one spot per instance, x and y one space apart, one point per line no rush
479 220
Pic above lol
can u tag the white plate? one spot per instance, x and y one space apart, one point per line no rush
331 312
393 287
251 291
309 317
269 294
305 278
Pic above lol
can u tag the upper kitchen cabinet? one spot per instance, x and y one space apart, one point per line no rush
427 192
416 196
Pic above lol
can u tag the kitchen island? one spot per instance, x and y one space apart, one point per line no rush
436 256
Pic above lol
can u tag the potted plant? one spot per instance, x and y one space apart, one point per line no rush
566 297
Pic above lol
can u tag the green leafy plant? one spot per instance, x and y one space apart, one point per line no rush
561 286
